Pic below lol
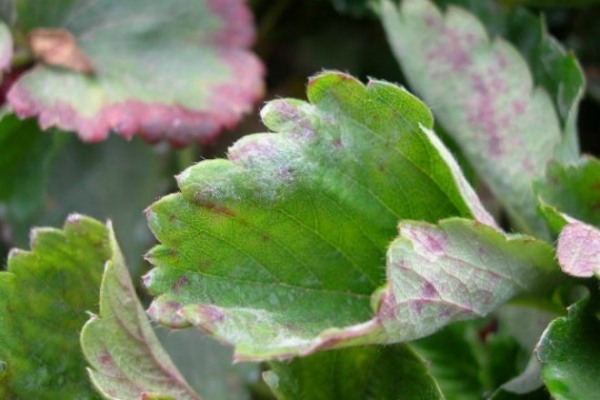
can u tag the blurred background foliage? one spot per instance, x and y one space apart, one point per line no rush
47 175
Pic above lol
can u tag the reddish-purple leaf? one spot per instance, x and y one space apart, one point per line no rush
177 70
578 249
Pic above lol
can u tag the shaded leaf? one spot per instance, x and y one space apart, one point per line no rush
127 360
280 247
573 189
359 373
206 365
179 71
7 11
570 350
6 44
111 180
356 8
25 155
551 3
528 384
468 359
44 297
483 94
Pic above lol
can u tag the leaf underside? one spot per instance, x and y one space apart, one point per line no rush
179 71
127 360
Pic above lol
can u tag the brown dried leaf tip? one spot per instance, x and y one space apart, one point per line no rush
59 47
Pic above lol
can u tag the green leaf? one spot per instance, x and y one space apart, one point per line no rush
44 296
179 71
483 94
360 373
571 189
569 352
292 230
279 249
127 360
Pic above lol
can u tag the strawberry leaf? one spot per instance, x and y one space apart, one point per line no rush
127 360
401 374
6 45
44 296
25 155
279 249
571 189
455 271
179 71
569 201
483 93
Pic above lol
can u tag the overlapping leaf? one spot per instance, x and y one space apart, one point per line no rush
44 297
569 200
484 95
454 271
292 229
279 249
127 360
350 374
177 70
25 155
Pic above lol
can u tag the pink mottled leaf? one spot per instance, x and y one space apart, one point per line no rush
455 271
483 93
178 70
578 250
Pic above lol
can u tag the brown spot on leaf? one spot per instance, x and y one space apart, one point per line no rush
58 47
219 209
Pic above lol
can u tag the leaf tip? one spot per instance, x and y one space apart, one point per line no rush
168 313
